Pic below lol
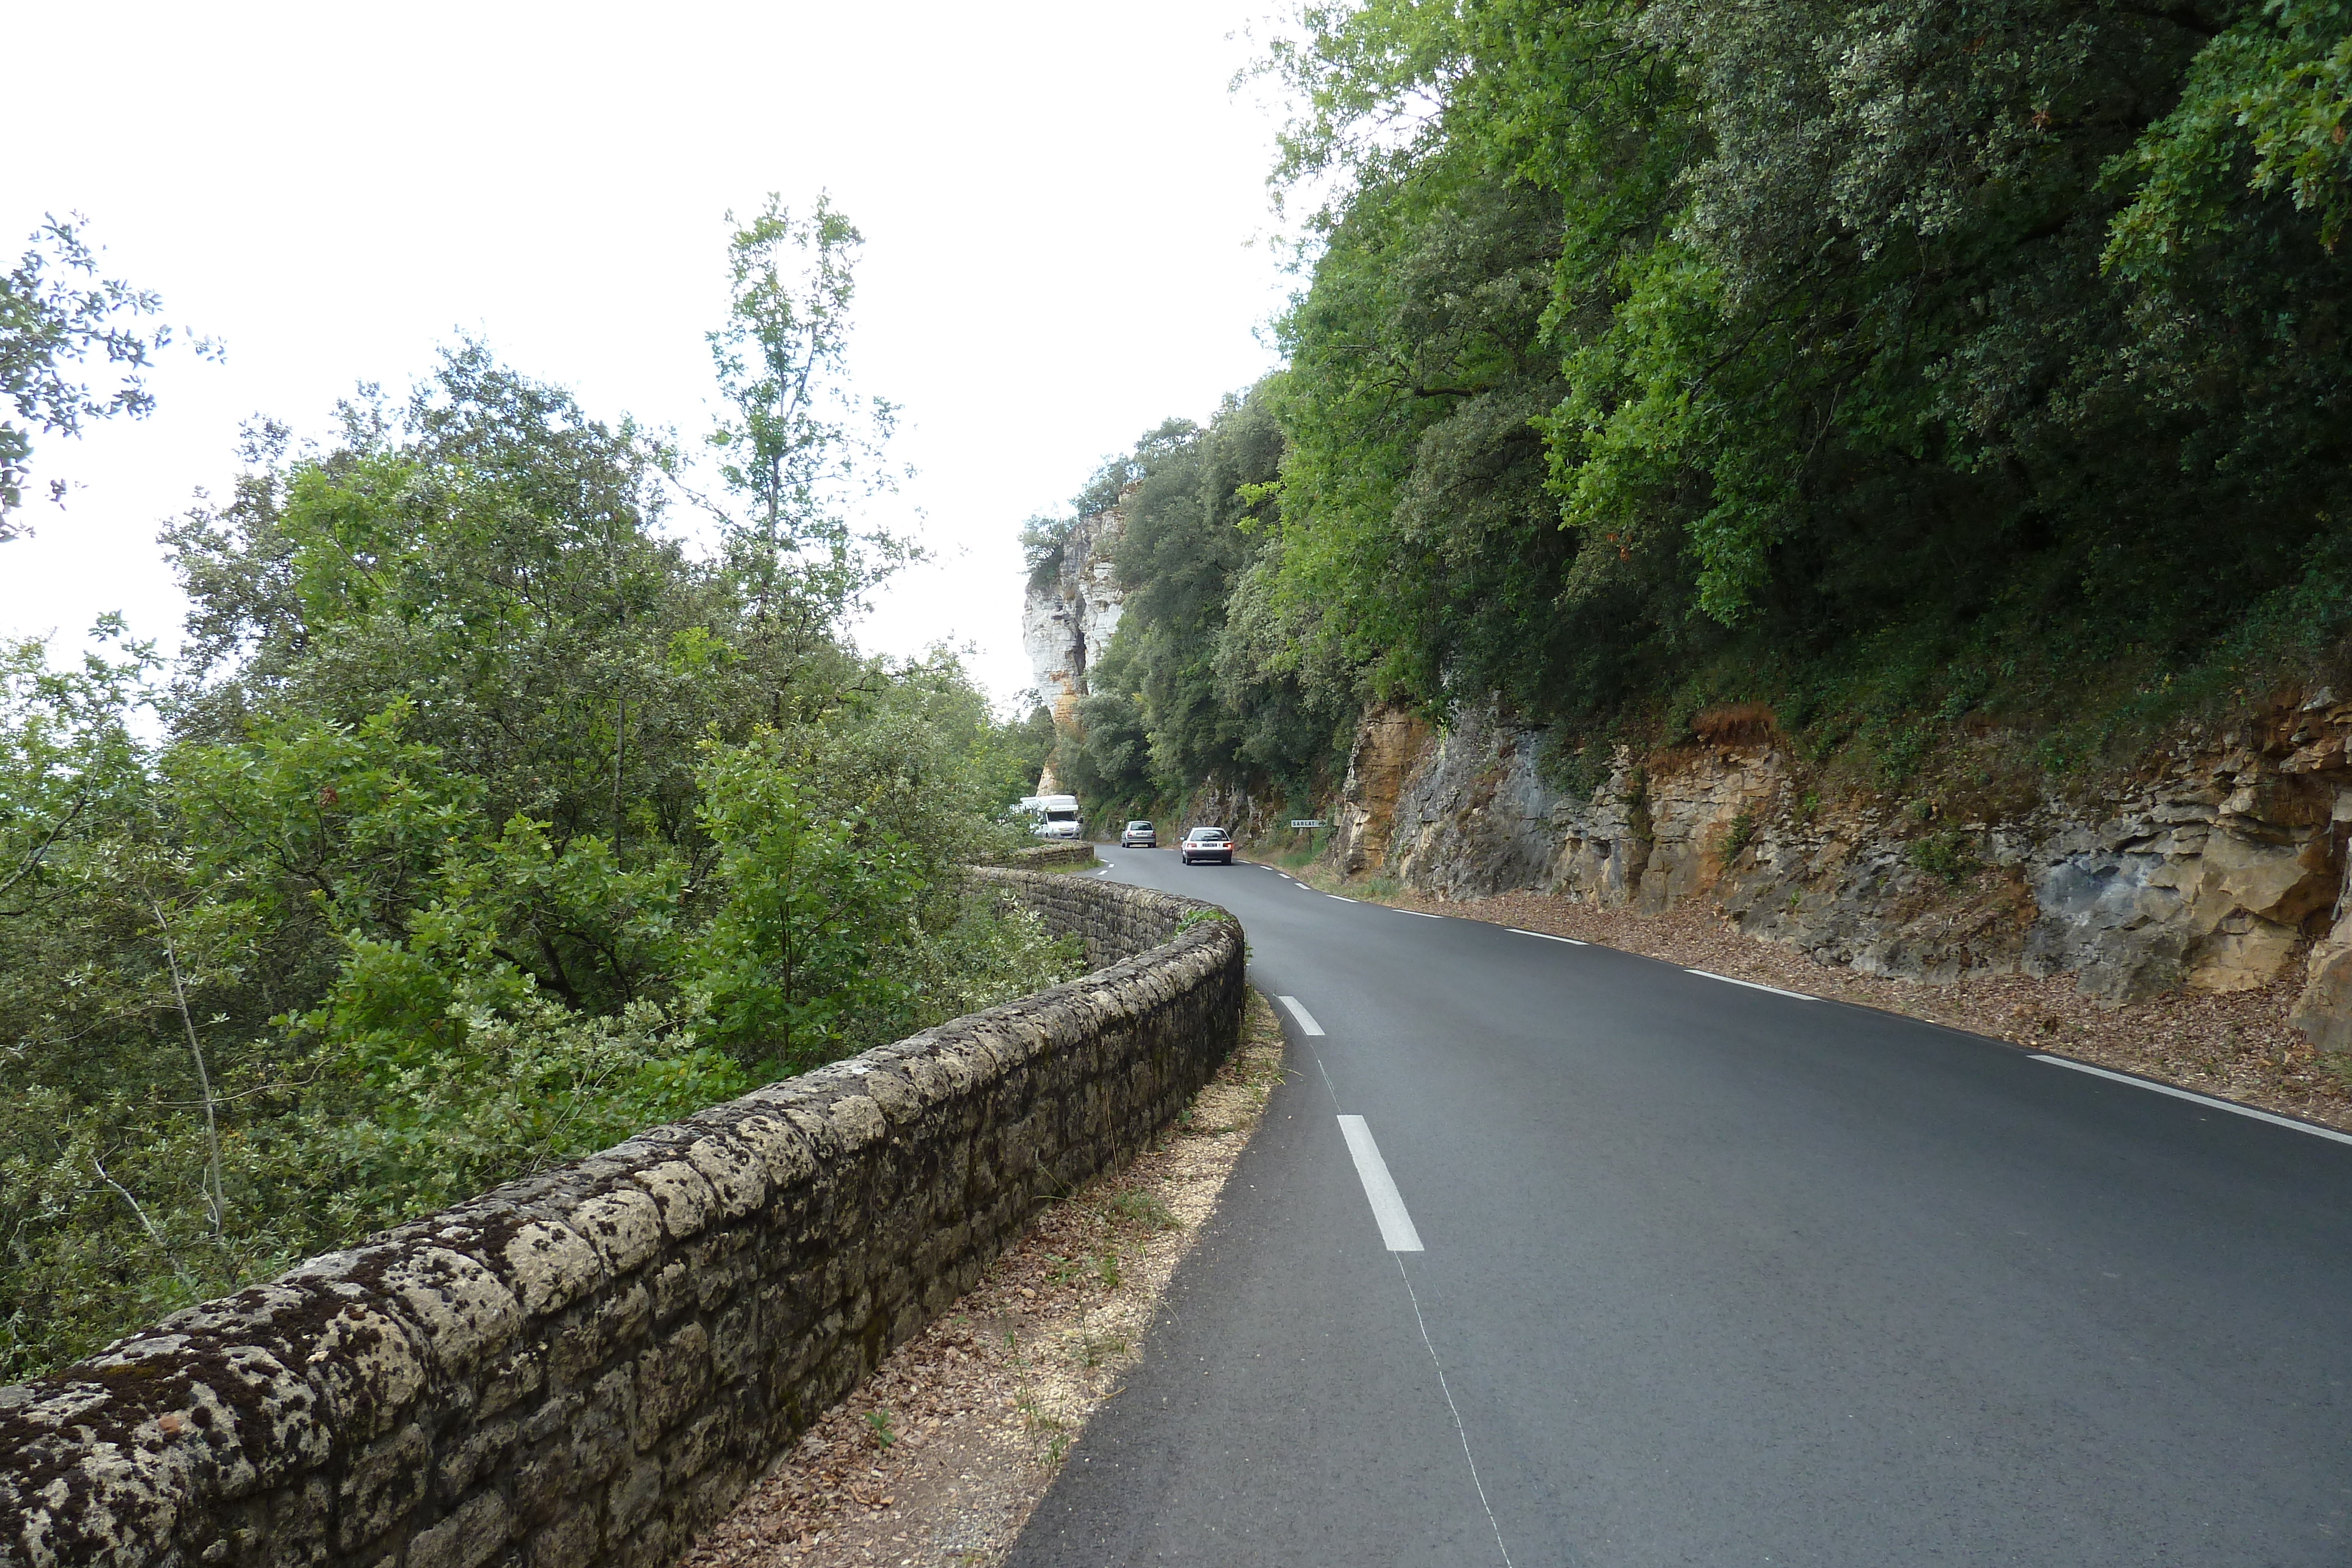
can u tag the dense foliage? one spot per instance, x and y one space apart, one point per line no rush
1917 367
1199 682
482 825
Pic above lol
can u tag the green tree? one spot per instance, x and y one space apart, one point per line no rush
488 827
58 315
800 450
1840 355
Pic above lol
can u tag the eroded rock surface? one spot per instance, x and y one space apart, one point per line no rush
2220 866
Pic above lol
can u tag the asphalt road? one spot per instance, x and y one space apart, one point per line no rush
1713 1275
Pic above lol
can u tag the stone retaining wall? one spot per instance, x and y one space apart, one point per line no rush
1040 857
589 1366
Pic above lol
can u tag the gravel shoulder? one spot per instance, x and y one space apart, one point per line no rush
2235 1047
940 1457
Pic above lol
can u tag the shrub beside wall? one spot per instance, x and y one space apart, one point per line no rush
591 1365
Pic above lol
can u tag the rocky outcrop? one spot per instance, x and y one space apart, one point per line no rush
2212 870
588 1366
1067 622
1389 744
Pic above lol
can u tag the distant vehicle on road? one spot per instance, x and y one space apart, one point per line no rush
1139 836
1208 844
1053 816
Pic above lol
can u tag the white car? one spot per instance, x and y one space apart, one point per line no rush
1208 844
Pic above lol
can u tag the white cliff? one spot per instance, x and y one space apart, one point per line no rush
1066 622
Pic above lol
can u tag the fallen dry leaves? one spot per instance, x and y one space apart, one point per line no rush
938 1459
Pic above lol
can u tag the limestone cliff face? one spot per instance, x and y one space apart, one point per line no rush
2209 870
1067 623
1389 745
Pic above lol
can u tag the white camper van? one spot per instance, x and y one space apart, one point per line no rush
1052 816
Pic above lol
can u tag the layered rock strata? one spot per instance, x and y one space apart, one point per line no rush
589 1366
2211 869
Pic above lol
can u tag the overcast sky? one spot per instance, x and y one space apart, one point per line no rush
1059 203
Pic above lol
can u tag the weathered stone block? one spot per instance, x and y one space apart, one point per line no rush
384 1482
623 1225
603 1331
633 1495
672 1290
687 1454
484 1449
672 1379
550 1266
681 1195
736 1176
571 1541
467 1539
461 1307
510 1378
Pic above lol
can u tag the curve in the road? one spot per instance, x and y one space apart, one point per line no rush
1713 1274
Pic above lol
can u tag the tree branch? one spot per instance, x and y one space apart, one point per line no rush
34 859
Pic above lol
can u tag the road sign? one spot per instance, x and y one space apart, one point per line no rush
1307 821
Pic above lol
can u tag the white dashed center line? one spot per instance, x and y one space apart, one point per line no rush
1396 1226
1306 1020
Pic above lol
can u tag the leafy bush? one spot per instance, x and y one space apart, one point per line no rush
486 828
1950 854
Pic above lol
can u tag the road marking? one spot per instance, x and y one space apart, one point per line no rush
1341 900
1547 936
1306 1020
2200 1099
1396 1226
1706 974
1459 1429
1418 914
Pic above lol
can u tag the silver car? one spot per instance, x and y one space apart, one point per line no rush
1139 835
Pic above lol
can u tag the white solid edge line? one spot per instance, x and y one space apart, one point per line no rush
1306 1020
1709 974
1396 1226
1547 936
2200 1099
1341 900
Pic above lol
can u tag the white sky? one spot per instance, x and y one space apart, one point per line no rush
1058 202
